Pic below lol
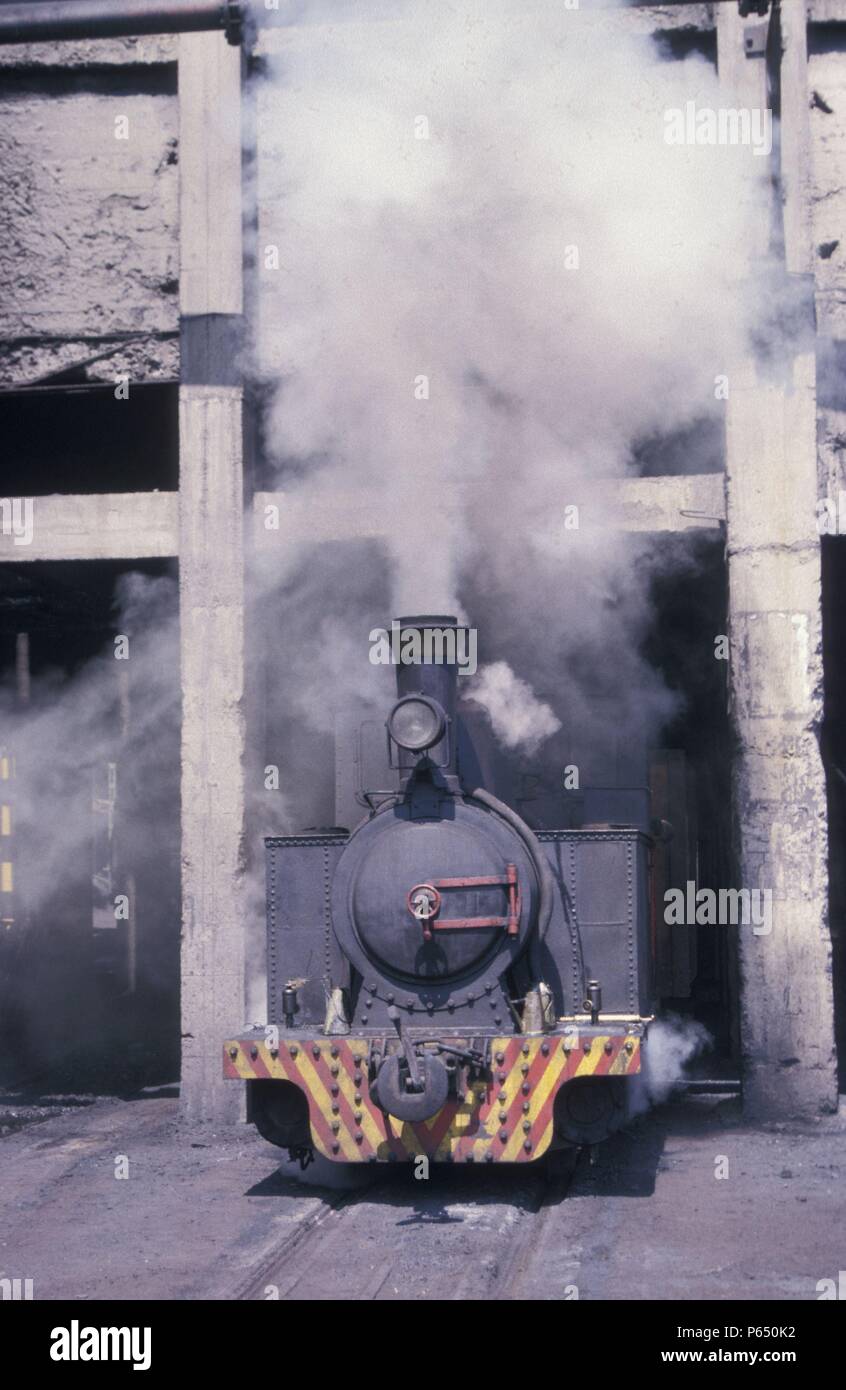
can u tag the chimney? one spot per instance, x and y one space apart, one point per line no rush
435 675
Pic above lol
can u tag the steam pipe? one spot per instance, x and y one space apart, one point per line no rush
40 21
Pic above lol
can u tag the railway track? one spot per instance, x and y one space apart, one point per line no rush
556 1179
460 1235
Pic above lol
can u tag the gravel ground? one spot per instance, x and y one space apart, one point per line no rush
212 1213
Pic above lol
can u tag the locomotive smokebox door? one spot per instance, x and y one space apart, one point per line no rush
432 906
413 942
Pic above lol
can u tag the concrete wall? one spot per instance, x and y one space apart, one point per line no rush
88 222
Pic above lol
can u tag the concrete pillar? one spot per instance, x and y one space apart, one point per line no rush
787 1012
212 637
787 1009
211 572
211 201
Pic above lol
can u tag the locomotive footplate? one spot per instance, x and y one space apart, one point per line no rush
500 1096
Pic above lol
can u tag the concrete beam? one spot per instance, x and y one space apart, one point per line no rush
647 19
682 502
741 77
679 503
826 12
102 526
143 51
145 525
796 152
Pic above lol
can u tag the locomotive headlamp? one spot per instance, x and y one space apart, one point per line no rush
416 723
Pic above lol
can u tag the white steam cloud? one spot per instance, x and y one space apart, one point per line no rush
672 1043
484 276
518 718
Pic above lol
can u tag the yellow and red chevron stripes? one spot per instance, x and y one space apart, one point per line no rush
507 1119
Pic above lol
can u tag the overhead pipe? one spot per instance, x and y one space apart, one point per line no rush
45 21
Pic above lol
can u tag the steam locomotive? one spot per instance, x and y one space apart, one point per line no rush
443 980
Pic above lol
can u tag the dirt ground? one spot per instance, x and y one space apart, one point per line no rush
688 1203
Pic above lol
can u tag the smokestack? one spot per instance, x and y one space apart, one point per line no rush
433 639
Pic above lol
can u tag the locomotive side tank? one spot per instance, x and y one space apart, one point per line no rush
443 981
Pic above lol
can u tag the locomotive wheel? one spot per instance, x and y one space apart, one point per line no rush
590 1108
559 1164
279 1111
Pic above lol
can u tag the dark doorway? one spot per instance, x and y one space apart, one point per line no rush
89 800
83 438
